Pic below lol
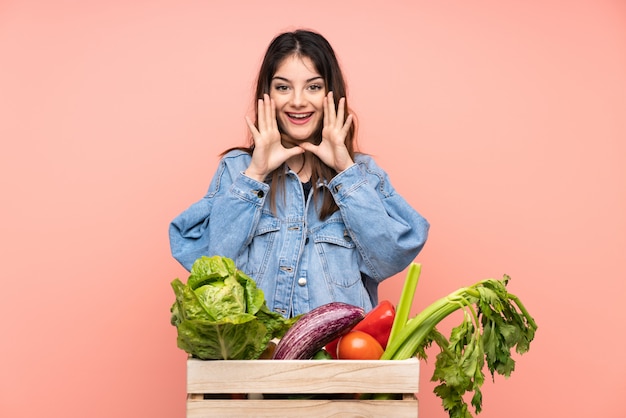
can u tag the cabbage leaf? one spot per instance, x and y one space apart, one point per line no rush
220 314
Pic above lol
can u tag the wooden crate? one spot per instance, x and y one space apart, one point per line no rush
266 388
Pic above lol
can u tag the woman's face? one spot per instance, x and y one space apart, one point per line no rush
298 91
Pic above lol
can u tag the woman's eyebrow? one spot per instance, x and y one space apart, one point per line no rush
277 77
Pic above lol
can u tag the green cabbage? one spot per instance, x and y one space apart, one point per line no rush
220 314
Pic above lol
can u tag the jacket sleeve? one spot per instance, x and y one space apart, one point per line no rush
387 231
223 221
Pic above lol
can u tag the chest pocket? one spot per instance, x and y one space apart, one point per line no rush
338 254
263 246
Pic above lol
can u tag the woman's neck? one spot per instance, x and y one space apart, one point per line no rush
301 165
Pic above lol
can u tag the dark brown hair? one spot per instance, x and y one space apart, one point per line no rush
305 43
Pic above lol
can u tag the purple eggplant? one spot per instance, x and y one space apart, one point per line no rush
316 328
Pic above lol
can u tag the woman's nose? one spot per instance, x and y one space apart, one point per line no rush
297 98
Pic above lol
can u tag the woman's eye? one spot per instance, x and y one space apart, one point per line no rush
316 87
280 87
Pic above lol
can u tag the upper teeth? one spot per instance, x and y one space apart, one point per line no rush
299 115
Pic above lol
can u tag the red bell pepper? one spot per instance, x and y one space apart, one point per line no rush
377 323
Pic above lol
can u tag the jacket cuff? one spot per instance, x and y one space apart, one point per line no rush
346 182
249 189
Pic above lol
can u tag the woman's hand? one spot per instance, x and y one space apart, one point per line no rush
269 153
332 150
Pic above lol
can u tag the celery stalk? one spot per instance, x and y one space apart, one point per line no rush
406 301
415 331
494 324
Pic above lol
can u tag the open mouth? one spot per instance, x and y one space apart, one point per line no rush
299 118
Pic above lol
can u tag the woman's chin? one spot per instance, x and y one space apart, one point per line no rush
290 141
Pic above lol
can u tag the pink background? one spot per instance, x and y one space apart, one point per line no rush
503 122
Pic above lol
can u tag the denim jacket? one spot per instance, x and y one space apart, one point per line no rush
298 260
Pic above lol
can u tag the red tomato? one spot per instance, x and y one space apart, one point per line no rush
377 323
358 345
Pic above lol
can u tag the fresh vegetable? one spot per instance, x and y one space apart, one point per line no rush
377 323
268 353
221 314
322 355
406 300
494 322
358 345
331 348
316 328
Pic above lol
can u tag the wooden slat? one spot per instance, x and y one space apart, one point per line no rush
303 376
301 408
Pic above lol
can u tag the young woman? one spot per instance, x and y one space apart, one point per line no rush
308 218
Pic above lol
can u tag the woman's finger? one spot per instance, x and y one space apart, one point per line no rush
326 118
253 130
346 126
340 111
330 108
274 122
267 111
260 115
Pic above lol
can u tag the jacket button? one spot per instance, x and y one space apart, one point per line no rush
260 193
302 281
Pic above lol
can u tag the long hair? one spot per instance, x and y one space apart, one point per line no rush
305 43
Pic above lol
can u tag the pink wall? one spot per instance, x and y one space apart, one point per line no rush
503 122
